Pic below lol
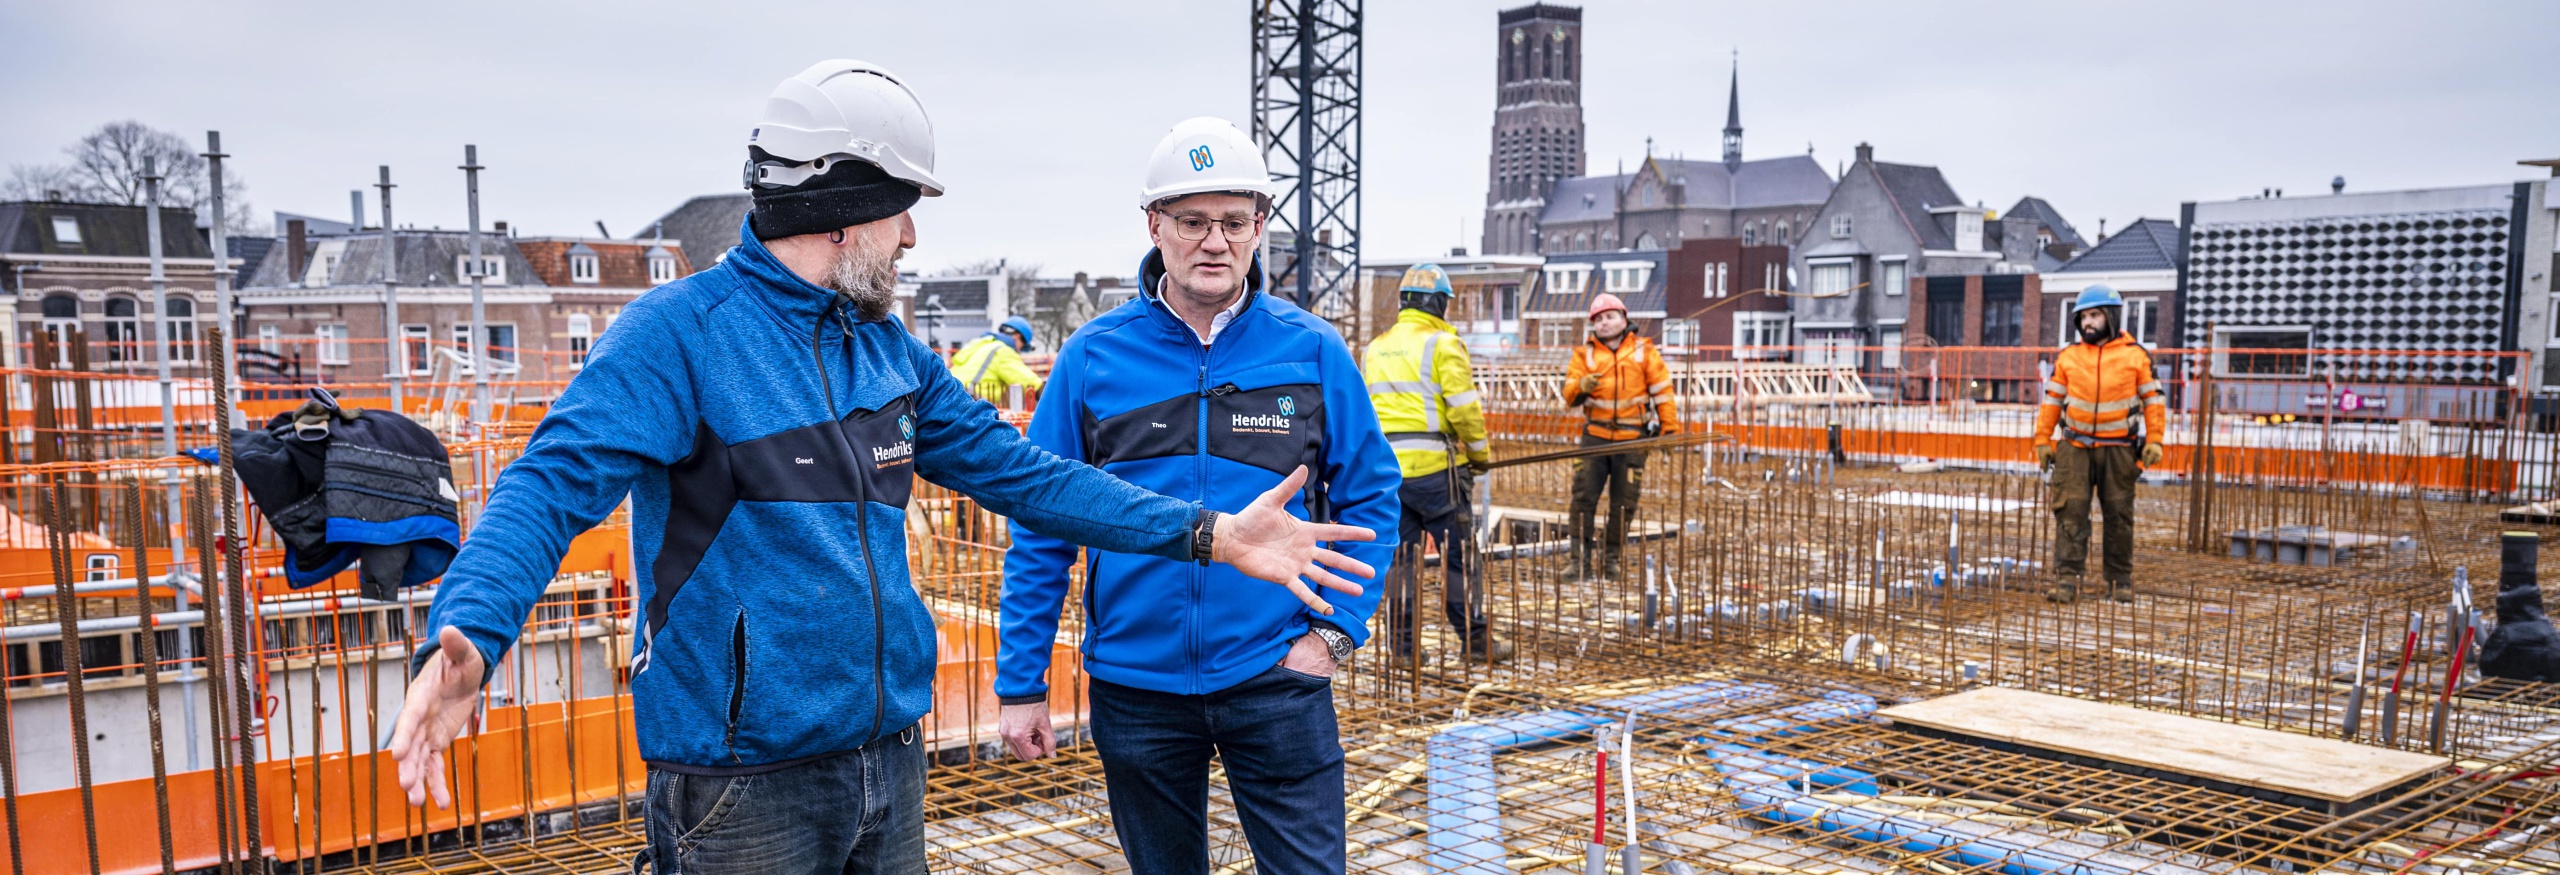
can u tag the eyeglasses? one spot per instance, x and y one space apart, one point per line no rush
1195 228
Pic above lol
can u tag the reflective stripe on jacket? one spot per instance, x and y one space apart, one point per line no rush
2094 392
1423 385
988 364
1632 377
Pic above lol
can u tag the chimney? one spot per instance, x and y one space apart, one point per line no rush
355 208
501 228
2102 230
1866 153
2337 185
294 256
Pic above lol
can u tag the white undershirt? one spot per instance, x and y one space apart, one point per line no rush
1217 323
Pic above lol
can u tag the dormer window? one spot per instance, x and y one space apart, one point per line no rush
662 266
582 264
66 232
493 270
1840 227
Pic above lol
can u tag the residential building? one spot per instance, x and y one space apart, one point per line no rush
2141 262
1557 310
1894 255
947 311
1060 305
2440 270
1718 293
590 280
2056 240
1668 200
1537 121
82 270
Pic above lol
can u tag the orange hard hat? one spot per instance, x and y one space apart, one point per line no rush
1604 302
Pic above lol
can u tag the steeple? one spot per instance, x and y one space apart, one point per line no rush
1733 117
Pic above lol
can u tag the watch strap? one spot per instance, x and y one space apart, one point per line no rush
1204 536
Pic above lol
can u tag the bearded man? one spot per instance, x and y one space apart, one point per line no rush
767 419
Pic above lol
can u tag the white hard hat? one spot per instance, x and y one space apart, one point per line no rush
843 109
1203 155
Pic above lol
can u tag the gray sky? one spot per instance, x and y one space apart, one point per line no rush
1044 110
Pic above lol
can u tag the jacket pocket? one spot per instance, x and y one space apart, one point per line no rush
738 685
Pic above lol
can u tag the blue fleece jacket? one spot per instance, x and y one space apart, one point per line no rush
1135 393
768 440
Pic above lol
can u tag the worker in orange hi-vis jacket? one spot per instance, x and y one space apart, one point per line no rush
1624 391
2098 385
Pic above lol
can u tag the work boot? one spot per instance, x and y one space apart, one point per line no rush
2064 591
1488 647
2121 591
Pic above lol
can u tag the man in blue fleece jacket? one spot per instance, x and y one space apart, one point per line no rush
1203 387
767 418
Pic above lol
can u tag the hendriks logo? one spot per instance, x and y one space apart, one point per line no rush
898 453
1201 159
1265 423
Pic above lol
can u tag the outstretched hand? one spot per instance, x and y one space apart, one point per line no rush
1266 543
441 701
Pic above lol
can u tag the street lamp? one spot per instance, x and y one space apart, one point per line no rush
931 315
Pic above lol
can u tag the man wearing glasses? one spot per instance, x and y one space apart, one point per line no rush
1207 388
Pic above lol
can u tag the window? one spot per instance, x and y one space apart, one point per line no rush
2002 320
1713 284
582 330
1890 357
1831 346
1968 231
333 344
1568 279
1759 335
1626 277
1646 241
1680 332
182 329
415 349
1558 332
502 340
124 336
1946 316
662 269
1896 276
1839 227
582 268
1782 237
66 231
61 322
102 566
1750 234
271 337
2141 318
2262 351
493 270
1769 276
1830 278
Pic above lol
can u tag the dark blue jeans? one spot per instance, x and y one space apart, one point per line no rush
855 812
1431 506
1275 732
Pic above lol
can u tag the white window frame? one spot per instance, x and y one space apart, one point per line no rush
271 337
2222 346
123 339
662 270
1889 353
582 335
1894 274
1558 332
582 269
71 224
1680 333
1569 279
1627 276
1724 278
493 270
333 343
182 329
1836 350
1845 270
417 344
2138 316
1840 226
1759 334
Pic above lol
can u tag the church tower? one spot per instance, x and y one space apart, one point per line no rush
1733 118
1537 121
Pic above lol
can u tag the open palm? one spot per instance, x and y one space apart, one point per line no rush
441 700
1265 542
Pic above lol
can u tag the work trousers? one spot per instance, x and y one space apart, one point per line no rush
2110 472
1275 734
1623 475
856 813
1431 506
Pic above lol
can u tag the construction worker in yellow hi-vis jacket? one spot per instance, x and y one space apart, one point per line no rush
1423 386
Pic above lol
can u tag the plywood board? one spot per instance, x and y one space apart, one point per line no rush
2320 768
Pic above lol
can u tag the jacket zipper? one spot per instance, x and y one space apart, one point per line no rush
738 678
1199 573
861 516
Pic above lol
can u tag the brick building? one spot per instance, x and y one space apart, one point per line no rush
1716 294
1555 312
84 270
2142 263
1537 121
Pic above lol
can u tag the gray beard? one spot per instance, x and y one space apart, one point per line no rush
868 279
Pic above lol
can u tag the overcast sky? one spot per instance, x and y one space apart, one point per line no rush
1044 110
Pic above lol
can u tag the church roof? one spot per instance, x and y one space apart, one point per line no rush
1768 182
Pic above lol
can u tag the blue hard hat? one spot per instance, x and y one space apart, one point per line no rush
2100 295
1425 277
1020 326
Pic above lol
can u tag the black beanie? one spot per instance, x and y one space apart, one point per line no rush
851 192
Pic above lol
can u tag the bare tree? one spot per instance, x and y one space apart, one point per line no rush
1018 280
106 167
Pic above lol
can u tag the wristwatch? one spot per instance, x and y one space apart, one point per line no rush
1335 641
1204 536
